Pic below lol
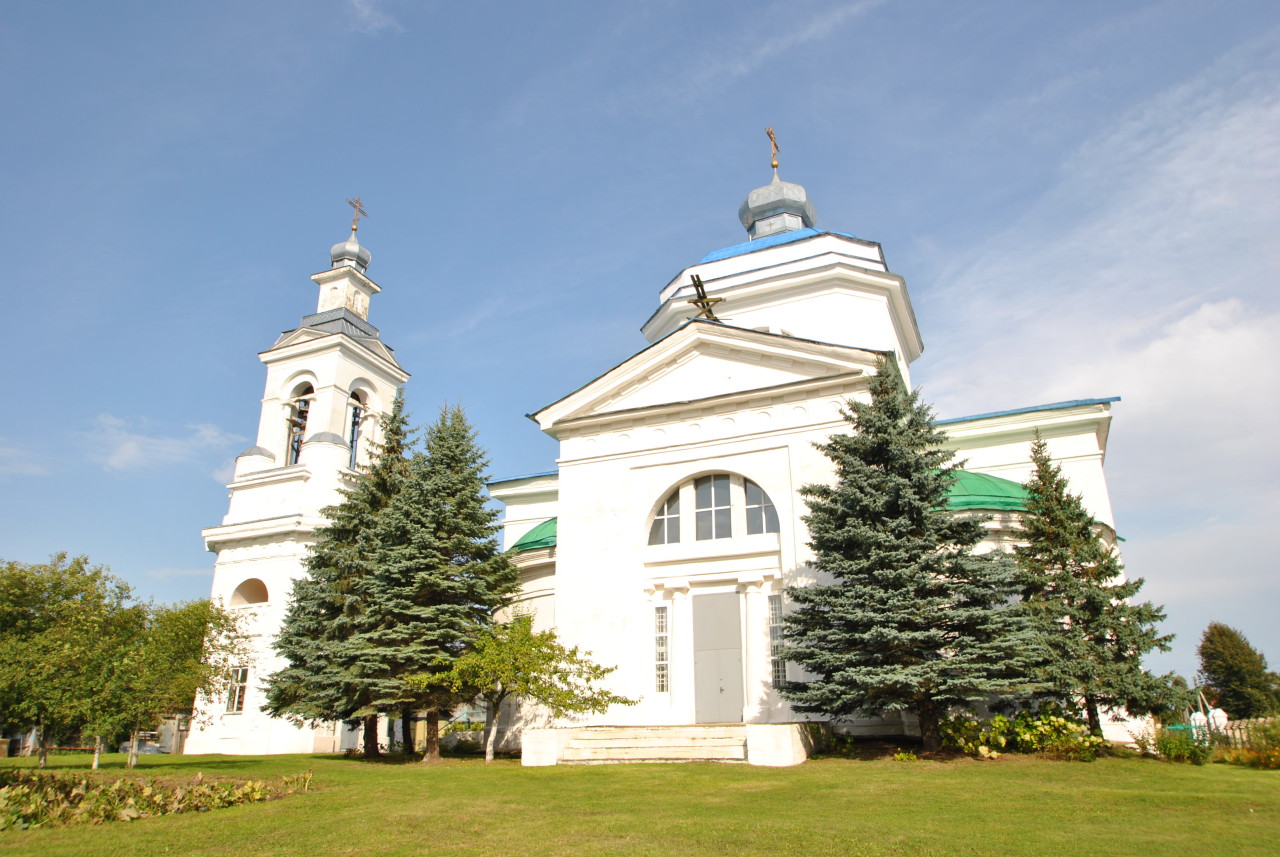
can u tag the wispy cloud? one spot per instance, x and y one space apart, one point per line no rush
1149 271
120 447
370 16
679 73
18 461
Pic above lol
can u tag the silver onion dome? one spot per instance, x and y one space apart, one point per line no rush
350 253
777 207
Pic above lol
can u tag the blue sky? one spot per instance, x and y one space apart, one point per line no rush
1084 198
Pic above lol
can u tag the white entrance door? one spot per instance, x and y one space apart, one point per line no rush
717 658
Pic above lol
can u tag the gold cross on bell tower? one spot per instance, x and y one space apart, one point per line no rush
359 211
773 146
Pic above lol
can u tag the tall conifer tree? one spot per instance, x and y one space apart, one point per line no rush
439 573
1074 588
911 619
324 679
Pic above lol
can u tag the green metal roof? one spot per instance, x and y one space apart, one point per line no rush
980 491
541 536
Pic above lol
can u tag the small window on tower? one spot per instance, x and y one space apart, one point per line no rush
353 433
299 409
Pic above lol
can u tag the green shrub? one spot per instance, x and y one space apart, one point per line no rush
1180 744
30 799
1048 730
905 756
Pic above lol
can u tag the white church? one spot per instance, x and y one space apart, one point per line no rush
664 541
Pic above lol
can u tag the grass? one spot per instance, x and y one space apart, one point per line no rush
1014 806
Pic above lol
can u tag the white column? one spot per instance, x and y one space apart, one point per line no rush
755 652
681 648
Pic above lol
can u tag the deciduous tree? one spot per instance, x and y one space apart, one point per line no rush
512 660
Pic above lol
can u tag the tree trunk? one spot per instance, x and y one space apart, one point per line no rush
431 753
371 736
490 729
1091 711
44 751
132 761
406 731
930 731
97 751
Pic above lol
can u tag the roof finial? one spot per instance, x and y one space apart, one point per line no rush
359 210
773 145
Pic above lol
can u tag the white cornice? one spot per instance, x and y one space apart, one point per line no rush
841 384
356 351
823 360
1022 426
224 536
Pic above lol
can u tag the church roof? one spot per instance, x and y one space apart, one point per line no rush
982 491
767 242
541 536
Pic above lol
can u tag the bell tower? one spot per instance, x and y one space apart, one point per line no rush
328 380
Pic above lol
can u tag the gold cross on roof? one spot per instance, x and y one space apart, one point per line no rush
773 145
359 207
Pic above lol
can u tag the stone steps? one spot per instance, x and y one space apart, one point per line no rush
605 744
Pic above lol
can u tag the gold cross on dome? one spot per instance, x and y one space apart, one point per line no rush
773 145
359 207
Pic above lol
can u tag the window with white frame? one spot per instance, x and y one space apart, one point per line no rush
777 664
666 523
236 692
713 514
661 651
761 516
720 504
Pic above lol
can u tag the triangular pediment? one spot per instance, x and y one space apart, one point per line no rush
703 360
303 335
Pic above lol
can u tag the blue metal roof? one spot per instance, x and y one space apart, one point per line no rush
1053 407
767 242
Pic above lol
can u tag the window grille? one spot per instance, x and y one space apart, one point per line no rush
777 664
661 655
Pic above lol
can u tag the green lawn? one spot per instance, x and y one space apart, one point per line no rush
1014 806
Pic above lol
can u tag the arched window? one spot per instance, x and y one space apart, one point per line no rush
722 505
251 591
666 523
299 410
353 433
